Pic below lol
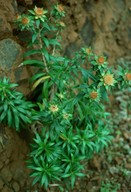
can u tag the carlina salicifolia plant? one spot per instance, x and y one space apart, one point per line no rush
69 95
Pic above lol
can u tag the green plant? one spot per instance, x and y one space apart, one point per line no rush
70 95
14 109
109 187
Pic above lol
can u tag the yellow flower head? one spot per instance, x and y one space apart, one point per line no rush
128 76
101 60
66 116
53 108
93 95
108 79
25 20
88 51
17 16
62 24
60 8
39 11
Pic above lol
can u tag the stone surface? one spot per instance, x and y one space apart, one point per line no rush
1 163
87 32
9 9
10 53
5 27
6 174
16 186
6 189
1 184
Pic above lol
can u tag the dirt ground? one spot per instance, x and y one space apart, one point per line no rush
105 25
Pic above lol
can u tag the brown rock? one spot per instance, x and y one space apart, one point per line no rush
6 174
5 28
6 189
1 164
1 184
16 186
72 36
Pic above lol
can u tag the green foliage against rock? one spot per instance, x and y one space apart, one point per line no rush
14 109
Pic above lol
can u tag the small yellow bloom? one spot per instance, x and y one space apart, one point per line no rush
61 96
128 76
17 16
39 11
93 95
25 21
60 8
53 108
108 79
66 116
88 51
101 60
62 24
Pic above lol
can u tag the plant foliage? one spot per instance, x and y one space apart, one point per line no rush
70 95
14 109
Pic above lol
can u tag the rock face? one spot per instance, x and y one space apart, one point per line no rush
10 54
14 175
5 28
105 25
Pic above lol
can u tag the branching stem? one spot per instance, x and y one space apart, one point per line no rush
43 57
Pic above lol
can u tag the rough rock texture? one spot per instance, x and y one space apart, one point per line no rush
5 28
14 176
10 54
104 25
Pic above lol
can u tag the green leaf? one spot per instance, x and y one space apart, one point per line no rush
40 80
32 52
36 180
17 122
38 138
37 23
34 37
80 174
37 76
46 41
91 76
44 180
21 110
73 178
104 93
24 118
80 111
46 54
3 115
9 117
34 174
54 42
5 107
46 26
45 90
34 63
40 169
